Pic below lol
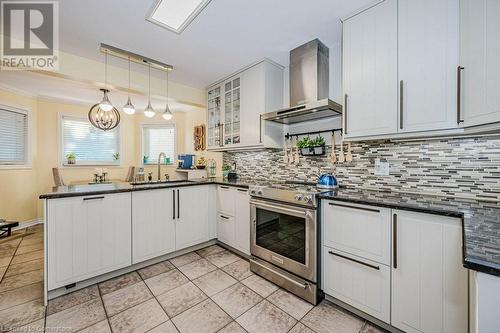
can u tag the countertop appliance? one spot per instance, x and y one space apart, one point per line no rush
186 161
309 86
284 236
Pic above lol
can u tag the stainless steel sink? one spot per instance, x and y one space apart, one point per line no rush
158 182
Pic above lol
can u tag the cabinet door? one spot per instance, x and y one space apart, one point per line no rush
214 107
480 49
358 282
225 200
364 231
427 64
192 220
225 229
370 71
429 283
153 225
87 237
242 221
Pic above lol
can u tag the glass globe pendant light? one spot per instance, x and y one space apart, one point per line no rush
105 104
149 111
167 114
129 107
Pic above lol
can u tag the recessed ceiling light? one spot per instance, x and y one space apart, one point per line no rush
175 15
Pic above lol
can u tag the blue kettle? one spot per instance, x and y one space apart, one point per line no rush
327 181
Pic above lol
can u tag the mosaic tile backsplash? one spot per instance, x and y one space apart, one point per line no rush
464 167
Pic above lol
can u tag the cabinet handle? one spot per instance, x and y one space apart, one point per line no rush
225 187
173 203
93 198
224 217
395 240
221 135
401 103
178 204
354 260
260 129
354 207
242 190
459 94
345 114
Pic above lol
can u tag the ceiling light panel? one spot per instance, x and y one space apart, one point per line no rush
176 15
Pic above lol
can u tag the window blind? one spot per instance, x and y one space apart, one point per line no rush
157 139
13 137
91 145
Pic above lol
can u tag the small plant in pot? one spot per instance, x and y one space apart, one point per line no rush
311 147
226 168
319 145
71 158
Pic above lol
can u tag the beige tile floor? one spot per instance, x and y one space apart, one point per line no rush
210 290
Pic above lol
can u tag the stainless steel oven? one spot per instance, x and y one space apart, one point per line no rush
284 245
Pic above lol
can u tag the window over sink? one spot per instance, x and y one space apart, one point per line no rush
88 145
157 139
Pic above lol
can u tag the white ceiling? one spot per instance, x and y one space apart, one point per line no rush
227 35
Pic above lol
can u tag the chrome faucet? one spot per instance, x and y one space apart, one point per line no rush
159 159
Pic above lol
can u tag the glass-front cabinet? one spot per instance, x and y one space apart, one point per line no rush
234 106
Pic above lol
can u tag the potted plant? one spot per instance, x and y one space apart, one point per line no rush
116 156
145 159
226 168
319 145
71 158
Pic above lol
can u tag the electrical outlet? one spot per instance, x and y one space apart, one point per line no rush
381 168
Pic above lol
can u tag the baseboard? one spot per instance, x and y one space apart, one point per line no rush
29 223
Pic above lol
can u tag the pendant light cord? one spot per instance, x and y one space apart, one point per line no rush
149 84
128 76
106 70
167 87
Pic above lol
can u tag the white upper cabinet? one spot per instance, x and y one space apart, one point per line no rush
480 58
370 71
428 34
234 106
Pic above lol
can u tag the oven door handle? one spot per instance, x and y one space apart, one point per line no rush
283 276
281 208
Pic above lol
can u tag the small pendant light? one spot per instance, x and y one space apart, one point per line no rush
149 111
105 103
167 114
129 107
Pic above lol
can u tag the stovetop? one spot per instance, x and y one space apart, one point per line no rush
295 192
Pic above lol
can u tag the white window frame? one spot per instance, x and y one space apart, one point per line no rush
62 161
154 161
28 161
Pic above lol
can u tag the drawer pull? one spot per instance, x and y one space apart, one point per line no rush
356 261
242 190
93 198
395 240
225 187
224 217
354 207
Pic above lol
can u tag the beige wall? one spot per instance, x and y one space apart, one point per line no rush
20 188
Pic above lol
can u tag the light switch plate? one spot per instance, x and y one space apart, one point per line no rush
381 168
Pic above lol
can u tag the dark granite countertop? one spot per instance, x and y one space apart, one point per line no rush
481 220
99 189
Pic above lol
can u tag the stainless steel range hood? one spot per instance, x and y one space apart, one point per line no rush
309 86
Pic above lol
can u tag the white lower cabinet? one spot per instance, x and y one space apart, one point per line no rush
233 217
429 283
191 216
87 236
359 282
424 286
153 224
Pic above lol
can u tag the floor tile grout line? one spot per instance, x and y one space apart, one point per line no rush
6 271
104 307
11 258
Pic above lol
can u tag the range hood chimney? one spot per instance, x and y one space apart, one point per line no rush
309 86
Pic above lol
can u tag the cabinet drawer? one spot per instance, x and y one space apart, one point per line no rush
225 229
225 199
359 282
364 231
